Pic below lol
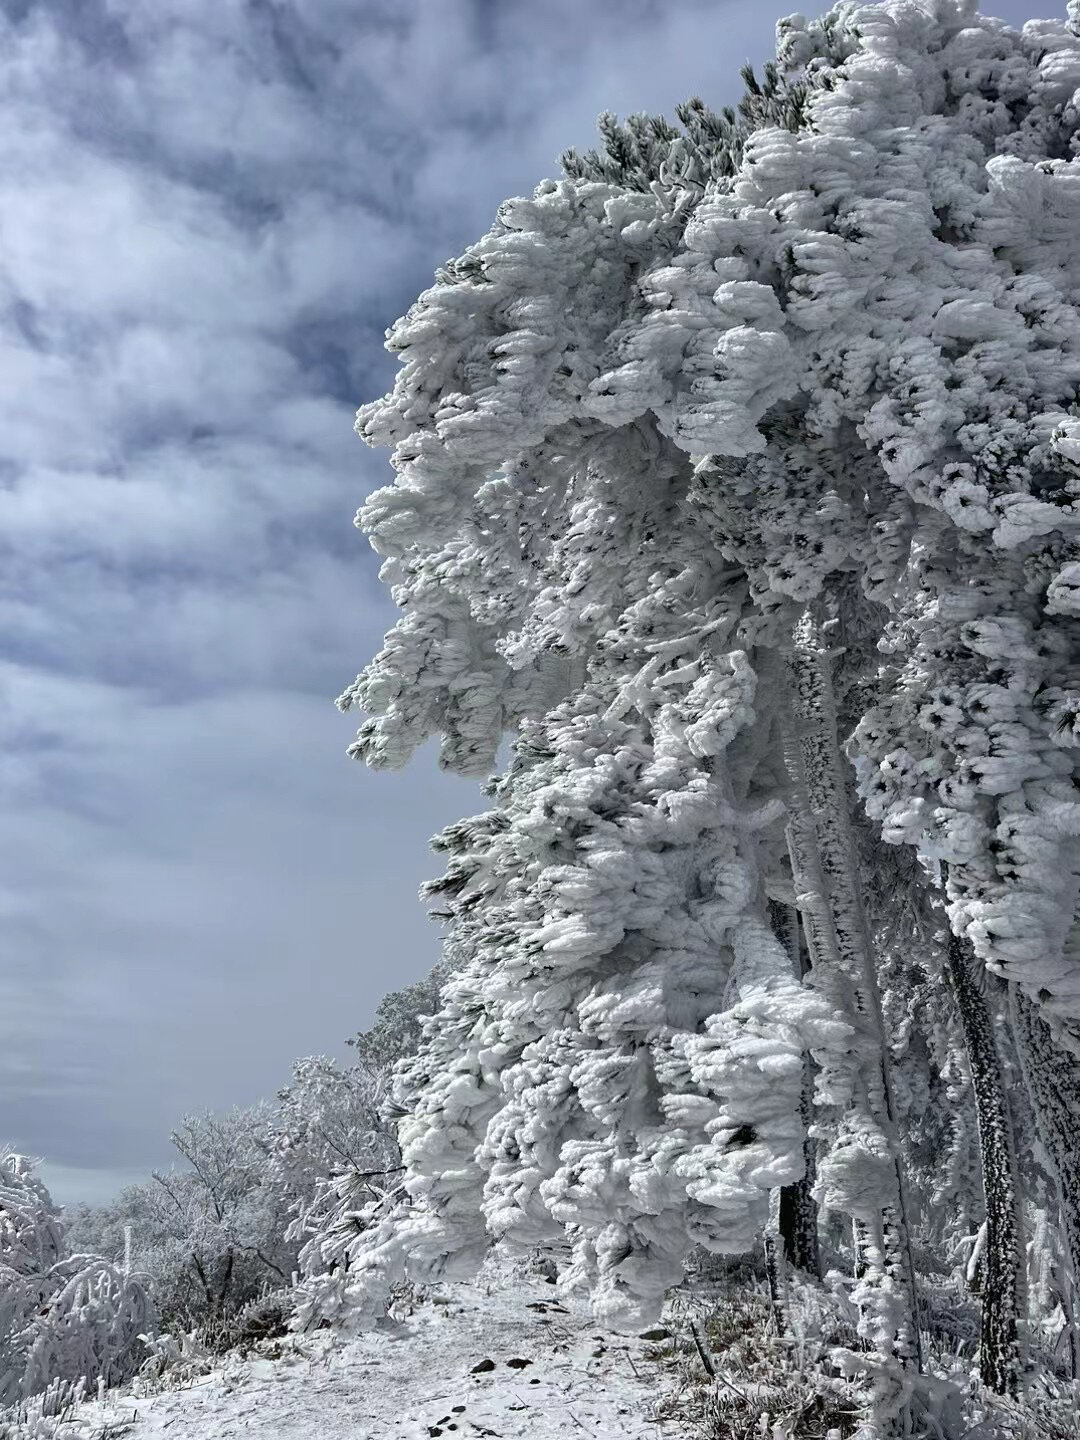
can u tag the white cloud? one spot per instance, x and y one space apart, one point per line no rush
190 902
209 212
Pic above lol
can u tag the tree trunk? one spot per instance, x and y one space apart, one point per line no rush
204 1281
226 1282
827 882
999 1355
775 1264
1052 1079
797 1217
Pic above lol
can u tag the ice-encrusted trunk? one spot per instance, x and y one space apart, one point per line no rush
797 1211
792 1236
999 1353
1052 1079
776 1264
862 1175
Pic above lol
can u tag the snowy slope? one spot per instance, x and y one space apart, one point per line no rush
548 1374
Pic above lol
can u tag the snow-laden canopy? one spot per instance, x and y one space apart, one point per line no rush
636 432
902 274
65 1320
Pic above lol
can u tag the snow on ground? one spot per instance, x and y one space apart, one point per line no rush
499 1358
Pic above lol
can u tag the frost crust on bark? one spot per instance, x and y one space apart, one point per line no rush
862 1173
999 1353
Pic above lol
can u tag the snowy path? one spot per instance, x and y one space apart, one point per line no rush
417 1380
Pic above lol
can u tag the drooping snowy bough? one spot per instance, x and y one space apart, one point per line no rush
66 1321
619 1064
818 362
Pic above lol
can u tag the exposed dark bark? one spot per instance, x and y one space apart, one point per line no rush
798 1225
226 1283
999 1354
268 1262
204 1281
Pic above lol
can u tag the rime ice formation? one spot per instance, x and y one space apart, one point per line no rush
661 411
65 1320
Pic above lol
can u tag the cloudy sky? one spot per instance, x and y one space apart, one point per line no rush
210 210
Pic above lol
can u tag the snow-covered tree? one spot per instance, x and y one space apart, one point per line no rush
678 422
334 1151
621 1060
209 1232
257 1195
398 1024
66 1320
328 1120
